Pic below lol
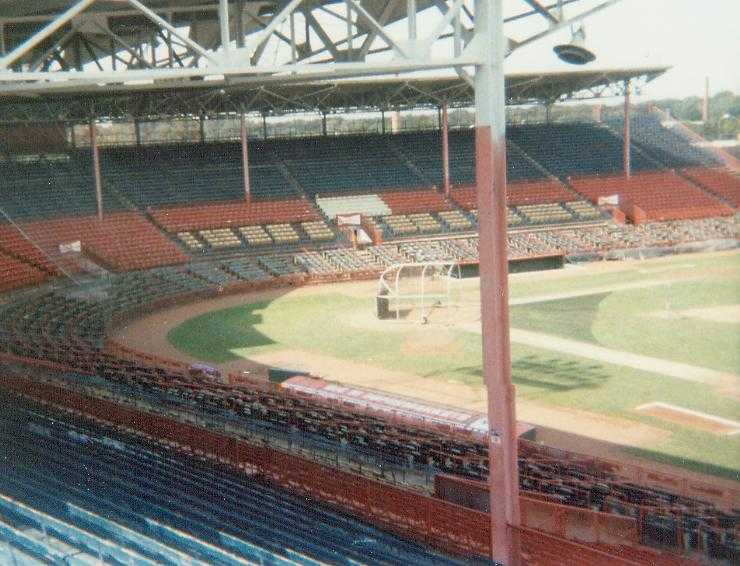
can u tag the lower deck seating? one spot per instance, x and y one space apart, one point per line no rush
314 263
283 233
317 231
235 213
400 225
455 220
719 181
15 273
415 201
190 241
662 195
246 270
255 235
122 241
545 213
220 239
584 210
13 243
537 192
426 223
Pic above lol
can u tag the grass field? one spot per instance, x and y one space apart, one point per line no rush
681 309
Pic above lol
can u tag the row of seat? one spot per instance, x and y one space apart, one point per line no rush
662 195
719 181
210 216
256 236
15 273
168 506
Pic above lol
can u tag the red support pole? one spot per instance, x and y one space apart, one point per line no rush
245 158
445 151
96 169
490 150
626 135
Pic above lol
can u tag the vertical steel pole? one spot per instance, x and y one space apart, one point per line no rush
627 134
96 169
445 151
223 20
245 158
490 141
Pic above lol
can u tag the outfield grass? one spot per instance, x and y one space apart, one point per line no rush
322 323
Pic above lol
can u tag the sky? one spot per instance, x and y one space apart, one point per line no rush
698 38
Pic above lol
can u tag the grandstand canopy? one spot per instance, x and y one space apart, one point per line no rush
222 97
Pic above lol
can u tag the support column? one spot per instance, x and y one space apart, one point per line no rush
445 151
264 126
223 20
96 169
382 121
490 141
323 123
137 132
202 127
245 158
627 165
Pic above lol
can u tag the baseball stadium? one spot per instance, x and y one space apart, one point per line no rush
317 282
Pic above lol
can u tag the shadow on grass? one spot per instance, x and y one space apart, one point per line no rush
552 374
555 374
571 318
214 335
685 463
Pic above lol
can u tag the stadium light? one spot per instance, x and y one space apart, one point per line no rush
575 52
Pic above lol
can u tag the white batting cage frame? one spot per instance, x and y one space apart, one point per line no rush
418 286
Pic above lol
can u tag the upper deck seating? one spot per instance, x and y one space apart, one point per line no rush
236 213
571 149
663 141
330 165
662 195
163 175
51 186
718 181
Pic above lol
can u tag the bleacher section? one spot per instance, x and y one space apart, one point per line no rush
45 187
662 195
718 181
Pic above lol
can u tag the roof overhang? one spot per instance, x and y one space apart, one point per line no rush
213 98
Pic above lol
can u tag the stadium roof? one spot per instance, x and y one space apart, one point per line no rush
211 98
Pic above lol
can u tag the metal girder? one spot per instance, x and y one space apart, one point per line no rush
198 35
43 33
337 96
